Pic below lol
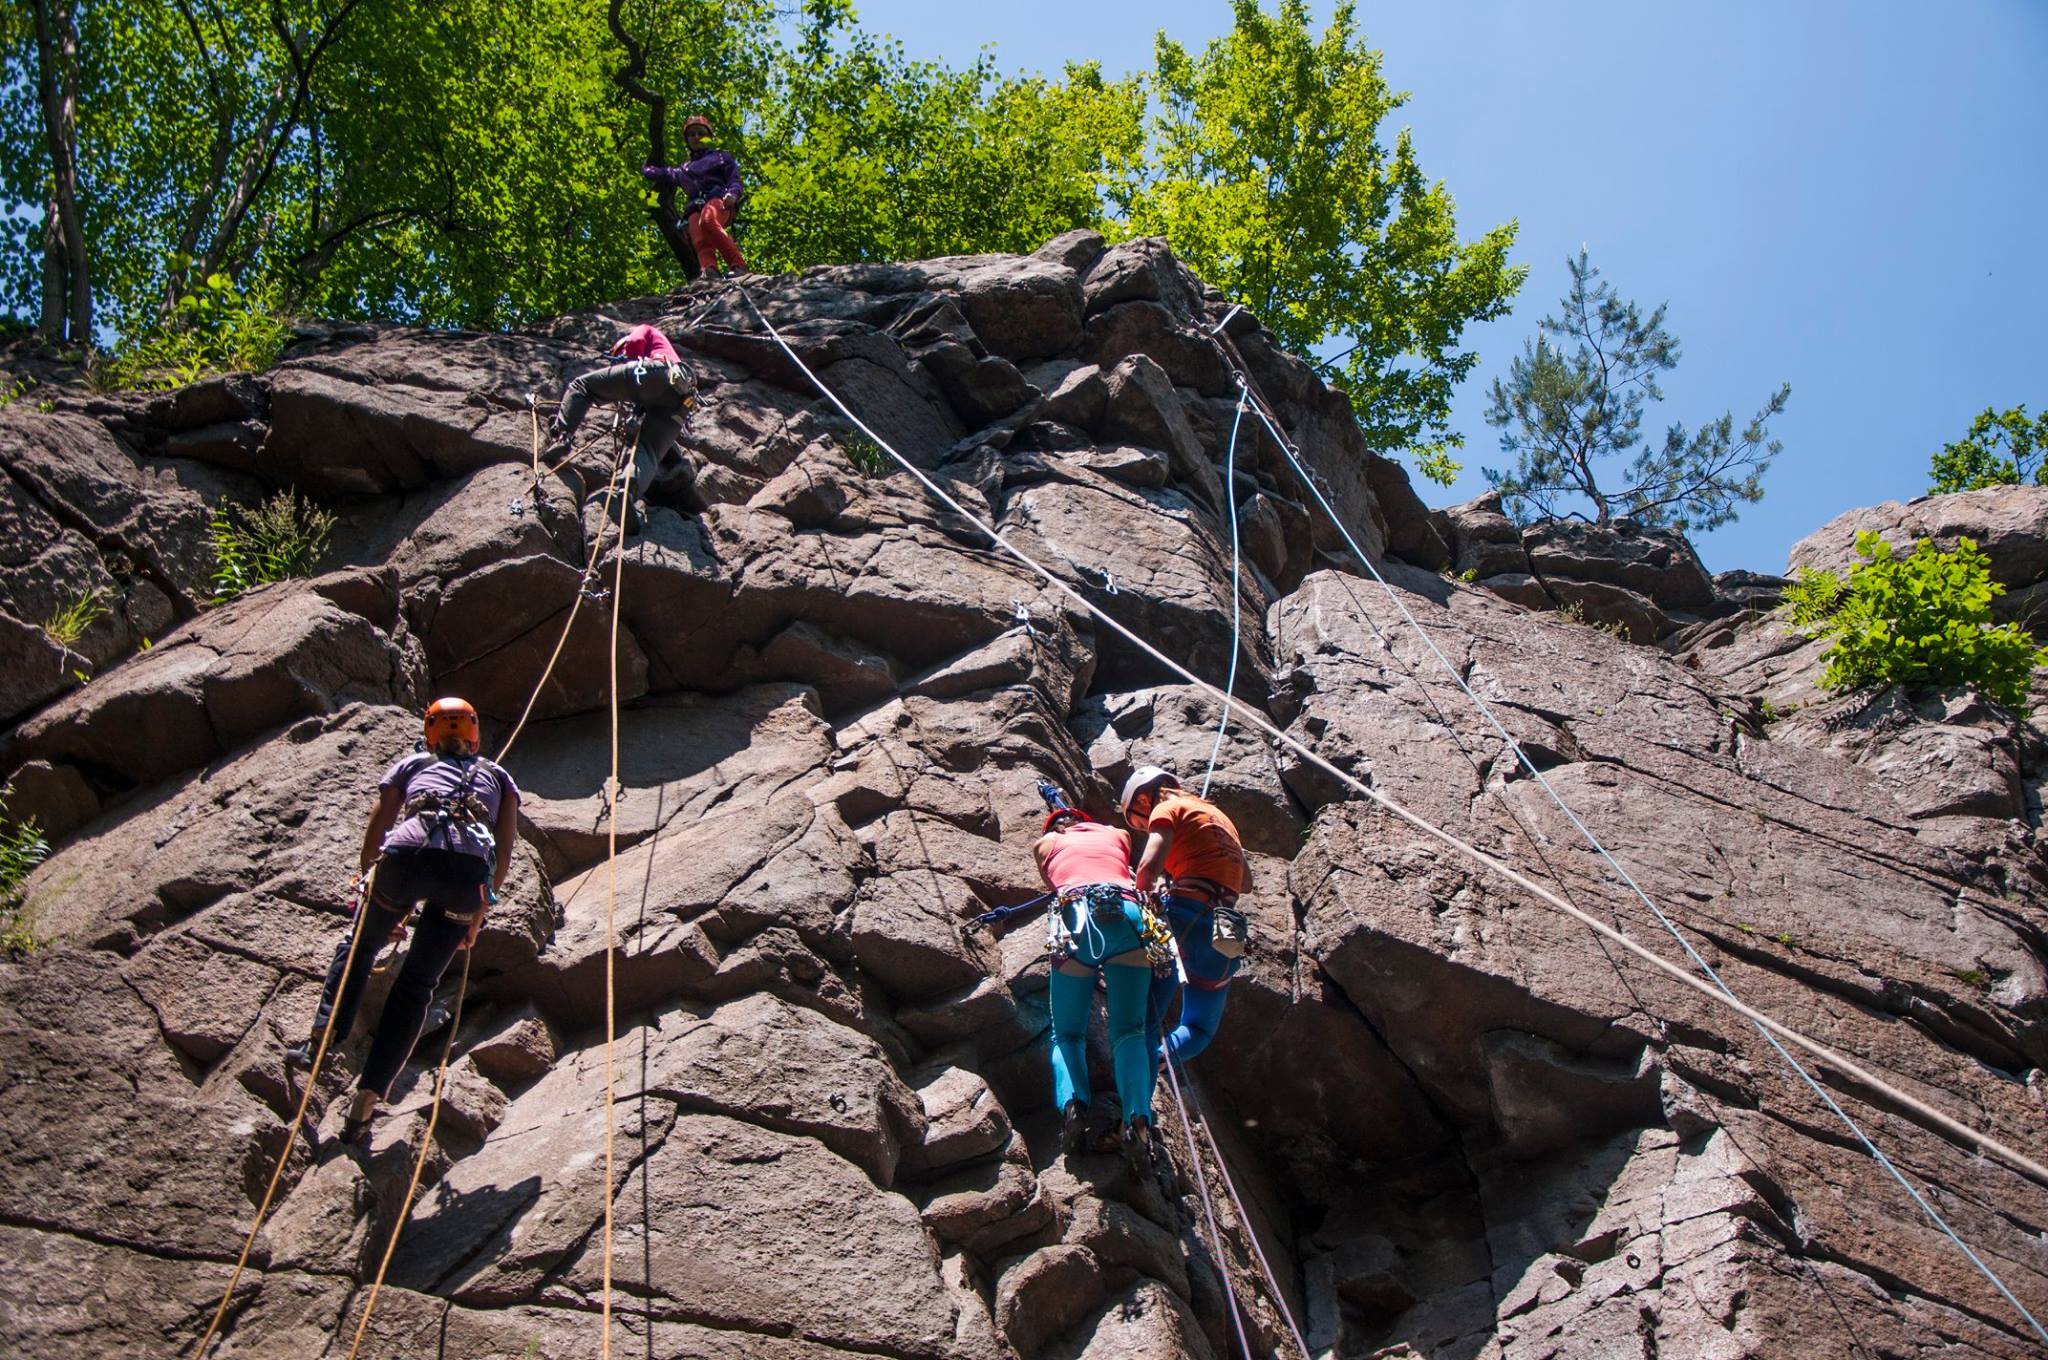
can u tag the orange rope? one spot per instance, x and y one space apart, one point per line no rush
611 892
419 1162
355 936
326 1033
611 489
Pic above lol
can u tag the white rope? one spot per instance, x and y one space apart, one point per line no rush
1201 1174
1309 480
1236 616
1252 717
1251 1236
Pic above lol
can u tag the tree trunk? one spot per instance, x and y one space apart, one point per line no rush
54 289
57 90
630 80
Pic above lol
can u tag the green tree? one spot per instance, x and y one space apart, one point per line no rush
1566 412
2003 448
1273 180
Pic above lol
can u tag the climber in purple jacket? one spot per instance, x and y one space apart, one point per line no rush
711 178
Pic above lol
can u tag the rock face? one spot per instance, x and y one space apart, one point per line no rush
1459 1126
1638 582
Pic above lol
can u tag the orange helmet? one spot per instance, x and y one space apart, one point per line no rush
696 120
451 728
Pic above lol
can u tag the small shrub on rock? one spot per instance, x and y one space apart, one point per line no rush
282 538
1922 621
70 620
1813 597
217 328
22 848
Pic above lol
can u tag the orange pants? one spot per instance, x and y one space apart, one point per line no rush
708 233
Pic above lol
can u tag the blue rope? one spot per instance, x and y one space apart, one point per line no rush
1002 914
1236 616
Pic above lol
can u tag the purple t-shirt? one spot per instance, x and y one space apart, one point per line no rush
424 772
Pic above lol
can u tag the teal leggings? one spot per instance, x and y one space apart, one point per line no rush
1130 986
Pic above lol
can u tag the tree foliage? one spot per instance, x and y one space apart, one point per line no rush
1272 179
2003 448
1570 408
476 163
859 152
1921 621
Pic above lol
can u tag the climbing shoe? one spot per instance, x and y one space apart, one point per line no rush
1073 1127
1139 1154
558 441
355 1133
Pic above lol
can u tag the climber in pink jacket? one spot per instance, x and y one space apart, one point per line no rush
650 376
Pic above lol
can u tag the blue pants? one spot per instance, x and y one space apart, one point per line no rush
1201 1009
1130 989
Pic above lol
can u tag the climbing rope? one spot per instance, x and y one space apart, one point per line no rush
611 893
326 1033
1236 615
1183 1099
1251 1237
359 894
620 454
612 488
1721 996
1799 1069
1208 1208
419 1162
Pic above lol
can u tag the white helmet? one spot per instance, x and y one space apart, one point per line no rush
1143 780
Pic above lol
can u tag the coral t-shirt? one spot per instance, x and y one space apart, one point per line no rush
1088 853
1205 844
646 342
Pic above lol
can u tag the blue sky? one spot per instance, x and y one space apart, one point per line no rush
1846 197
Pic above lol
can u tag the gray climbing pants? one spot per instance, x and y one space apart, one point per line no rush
658 389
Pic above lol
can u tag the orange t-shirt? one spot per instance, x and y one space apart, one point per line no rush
1205 844
1089 853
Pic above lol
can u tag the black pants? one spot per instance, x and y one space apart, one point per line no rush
452 886
653 387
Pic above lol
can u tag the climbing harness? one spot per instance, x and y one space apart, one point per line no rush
1719 994
460 814
1770 1030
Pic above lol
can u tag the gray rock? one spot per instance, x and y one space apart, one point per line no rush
1460 1124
